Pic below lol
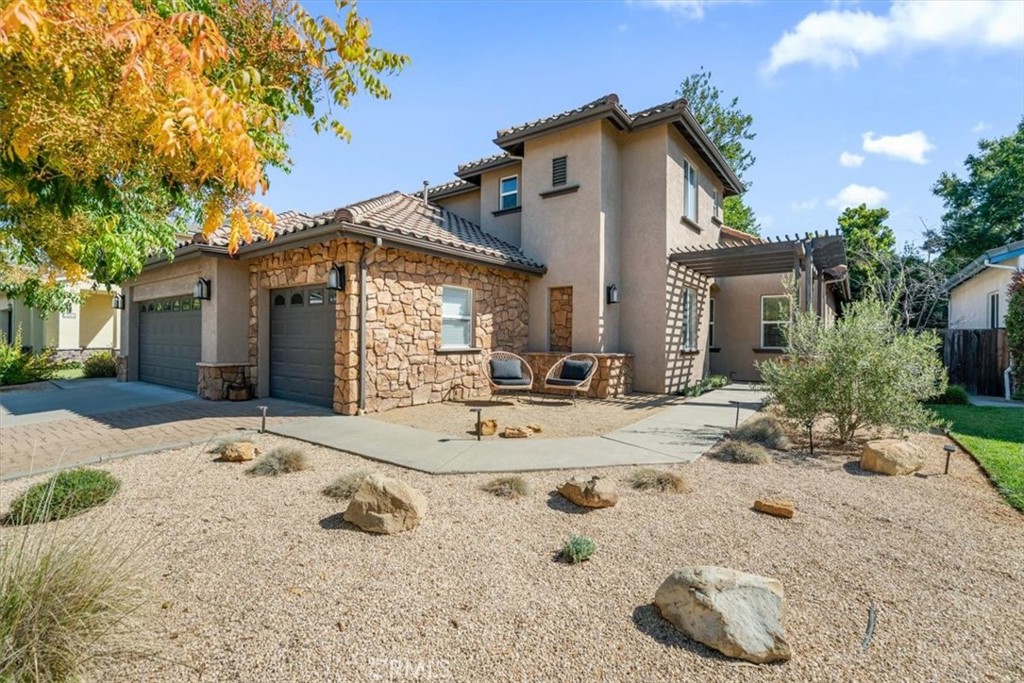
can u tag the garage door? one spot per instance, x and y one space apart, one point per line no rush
302 344
170 337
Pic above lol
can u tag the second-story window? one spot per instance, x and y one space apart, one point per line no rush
689 191
508 193
559 171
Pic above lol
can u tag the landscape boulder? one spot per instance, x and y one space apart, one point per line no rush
517 433
776 507
891 456
488 427
738 614
535 428
383 505
596 492
242 451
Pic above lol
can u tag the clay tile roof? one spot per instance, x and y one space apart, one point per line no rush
471 166
287 223
451 187
402 214
607 100
658 109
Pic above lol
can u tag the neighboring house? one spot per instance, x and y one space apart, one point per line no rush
84 329
594 230
978 293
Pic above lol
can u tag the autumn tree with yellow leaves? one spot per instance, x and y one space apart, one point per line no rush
126 122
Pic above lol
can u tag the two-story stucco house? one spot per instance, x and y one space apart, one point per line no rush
978 296
594 230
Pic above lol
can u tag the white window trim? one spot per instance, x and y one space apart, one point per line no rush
711 322
772 322
688 169
994 320
470 318
502 194
689 320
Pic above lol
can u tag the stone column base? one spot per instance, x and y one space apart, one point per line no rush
215 378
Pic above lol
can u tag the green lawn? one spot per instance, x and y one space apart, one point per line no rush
996 438
70 373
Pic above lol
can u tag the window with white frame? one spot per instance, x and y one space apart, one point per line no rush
711 323
508 193
456 317
689 191
993 311
774 321
689 315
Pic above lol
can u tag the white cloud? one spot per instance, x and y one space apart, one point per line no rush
980 127
839 38
908 147
686 9
804 205
855 195
851 160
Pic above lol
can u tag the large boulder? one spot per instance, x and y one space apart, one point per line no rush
738 614
383 505
595 492
241 451
891 456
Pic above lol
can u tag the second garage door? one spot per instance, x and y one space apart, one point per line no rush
302 344
170 341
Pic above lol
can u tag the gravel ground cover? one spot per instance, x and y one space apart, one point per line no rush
557 415
258 579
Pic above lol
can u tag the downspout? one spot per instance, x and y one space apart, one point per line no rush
378 243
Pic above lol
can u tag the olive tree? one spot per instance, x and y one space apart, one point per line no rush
862 371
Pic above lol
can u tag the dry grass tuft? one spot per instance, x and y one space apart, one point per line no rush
346 485
507 487
281 460
658 480
763 431
732 450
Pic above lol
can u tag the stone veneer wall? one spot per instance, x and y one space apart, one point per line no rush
214 379
121 363
614 372
560 319
404 363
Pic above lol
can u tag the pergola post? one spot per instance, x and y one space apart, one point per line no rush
808 274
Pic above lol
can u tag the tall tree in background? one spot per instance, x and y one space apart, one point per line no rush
126 121
985 209
730 129
870 243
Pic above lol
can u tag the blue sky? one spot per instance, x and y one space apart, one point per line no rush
905 91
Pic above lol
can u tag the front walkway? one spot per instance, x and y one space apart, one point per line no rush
679 434
994 402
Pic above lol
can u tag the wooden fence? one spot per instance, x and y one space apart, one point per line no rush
976 359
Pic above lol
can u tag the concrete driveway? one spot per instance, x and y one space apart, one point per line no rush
76 421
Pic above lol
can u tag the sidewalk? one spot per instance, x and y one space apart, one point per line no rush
679 434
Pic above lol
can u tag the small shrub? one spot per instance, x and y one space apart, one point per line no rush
22 367
578 549
732 450
507 487
346 485
718 381
281 460
954 395
100 365
65 494
764 431
658 480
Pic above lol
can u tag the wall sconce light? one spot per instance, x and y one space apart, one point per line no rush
202 290
612 294
117 302
336 278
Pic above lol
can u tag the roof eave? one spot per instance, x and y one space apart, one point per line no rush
472 174
513 142
979 264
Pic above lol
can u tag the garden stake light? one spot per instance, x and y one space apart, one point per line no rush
810 434
949 448
479 421
263 420
737 404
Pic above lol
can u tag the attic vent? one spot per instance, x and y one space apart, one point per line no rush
559 171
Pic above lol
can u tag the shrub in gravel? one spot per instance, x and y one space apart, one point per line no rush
346 485
764 431
578 549
658 480
732 450
507 487
281 460
65 494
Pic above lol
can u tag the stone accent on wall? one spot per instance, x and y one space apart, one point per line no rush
79 355
614 372
121 363
215 378
560 319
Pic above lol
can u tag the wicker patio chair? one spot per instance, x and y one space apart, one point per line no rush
572 373
506 371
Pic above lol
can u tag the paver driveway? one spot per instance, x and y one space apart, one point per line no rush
79 420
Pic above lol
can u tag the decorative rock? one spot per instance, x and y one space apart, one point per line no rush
594 493
738 614
891 456
241 451
383 505
778 508
488 427
535 428
517 433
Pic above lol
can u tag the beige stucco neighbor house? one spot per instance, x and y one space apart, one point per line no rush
91 326
978 297
594 230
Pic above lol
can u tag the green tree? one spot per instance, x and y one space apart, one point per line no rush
870 244
984 209
730 129
1015 332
